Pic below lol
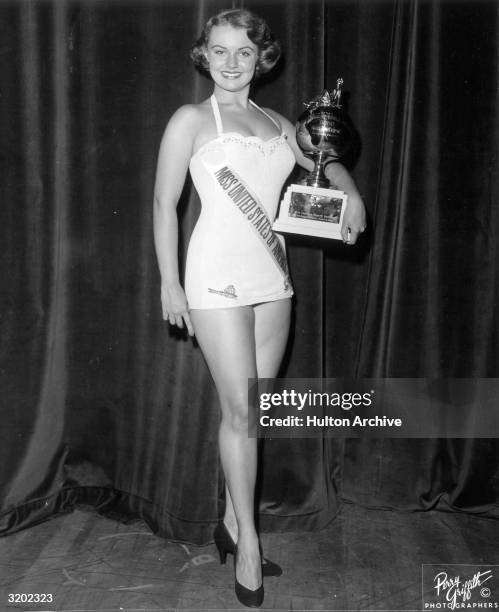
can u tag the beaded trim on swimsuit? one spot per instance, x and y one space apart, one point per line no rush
248 142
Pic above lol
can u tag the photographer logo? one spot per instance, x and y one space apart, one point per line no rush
460 587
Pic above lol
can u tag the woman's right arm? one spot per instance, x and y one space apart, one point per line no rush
173 162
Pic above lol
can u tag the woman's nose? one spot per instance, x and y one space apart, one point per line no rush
232 60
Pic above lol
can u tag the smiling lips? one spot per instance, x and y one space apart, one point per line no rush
231 75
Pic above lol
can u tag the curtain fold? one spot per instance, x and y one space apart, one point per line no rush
102 403
432 282
436 206
35 260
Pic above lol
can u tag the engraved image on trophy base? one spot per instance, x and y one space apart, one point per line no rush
324 133
311 211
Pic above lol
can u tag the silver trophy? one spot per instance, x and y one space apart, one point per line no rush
324 133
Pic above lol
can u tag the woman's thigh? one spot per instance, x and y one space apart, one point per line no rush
227 339
241 343
272 321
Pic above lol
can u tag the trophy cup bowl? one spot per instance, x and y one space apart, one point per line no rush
325 133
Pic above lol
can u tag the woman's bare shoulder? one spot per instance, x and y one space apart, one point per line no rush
189 116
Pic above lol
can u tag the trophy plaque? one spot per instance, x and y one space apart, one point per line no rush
324 133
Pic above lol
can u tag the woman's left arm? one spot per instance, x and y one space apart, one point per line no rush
354 217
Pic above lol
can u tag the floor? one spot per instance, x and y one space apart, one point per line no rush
365 560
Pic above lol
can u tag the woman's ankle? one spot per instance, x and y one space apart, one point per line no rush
248 538
231 525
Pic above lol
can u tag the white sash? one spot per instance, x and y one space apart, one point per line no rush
249 206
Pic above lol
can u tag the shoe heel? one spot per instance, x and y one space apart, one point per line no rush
221 545
223 555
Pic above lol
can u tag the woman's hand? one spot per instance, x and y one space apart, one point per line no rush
174 305
354 219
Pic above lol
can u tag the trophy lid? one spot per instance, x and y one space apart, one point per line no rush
327 98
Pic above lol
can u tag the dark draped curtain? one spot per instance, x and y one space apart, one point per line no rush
102 404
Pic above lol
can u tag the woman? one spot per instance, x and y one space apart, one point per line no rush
237 297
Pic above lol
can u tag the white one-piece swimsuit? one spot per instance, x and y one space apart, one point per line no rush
234 257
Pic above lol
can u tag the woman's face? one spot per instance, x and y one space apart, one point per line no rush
231 56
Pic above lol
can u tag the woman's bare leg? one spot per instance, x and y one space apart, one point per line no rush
236 344
230 515
271 334
226 337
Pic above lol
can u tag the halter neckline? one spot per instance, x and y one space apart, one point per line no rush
218 117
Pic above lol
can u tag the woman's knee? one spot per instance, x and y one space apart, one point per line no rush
235 413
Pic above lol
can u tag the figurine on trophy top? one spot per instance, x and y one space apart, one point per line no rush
324 133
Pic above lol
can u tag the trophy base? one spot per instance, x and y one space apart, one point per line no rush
311 211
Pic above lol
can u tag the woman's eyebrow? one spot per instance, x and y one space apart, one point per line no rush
239 48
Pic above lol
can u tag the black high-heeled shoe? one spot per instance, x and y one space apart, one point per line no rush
225 544
251 598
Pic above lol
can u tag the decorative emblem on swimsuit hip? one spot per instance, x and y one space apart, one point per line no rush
229 292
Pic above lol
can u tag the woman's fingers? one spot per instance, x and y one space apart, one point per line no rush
179 319
188 324
354 221
175 308
350 234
